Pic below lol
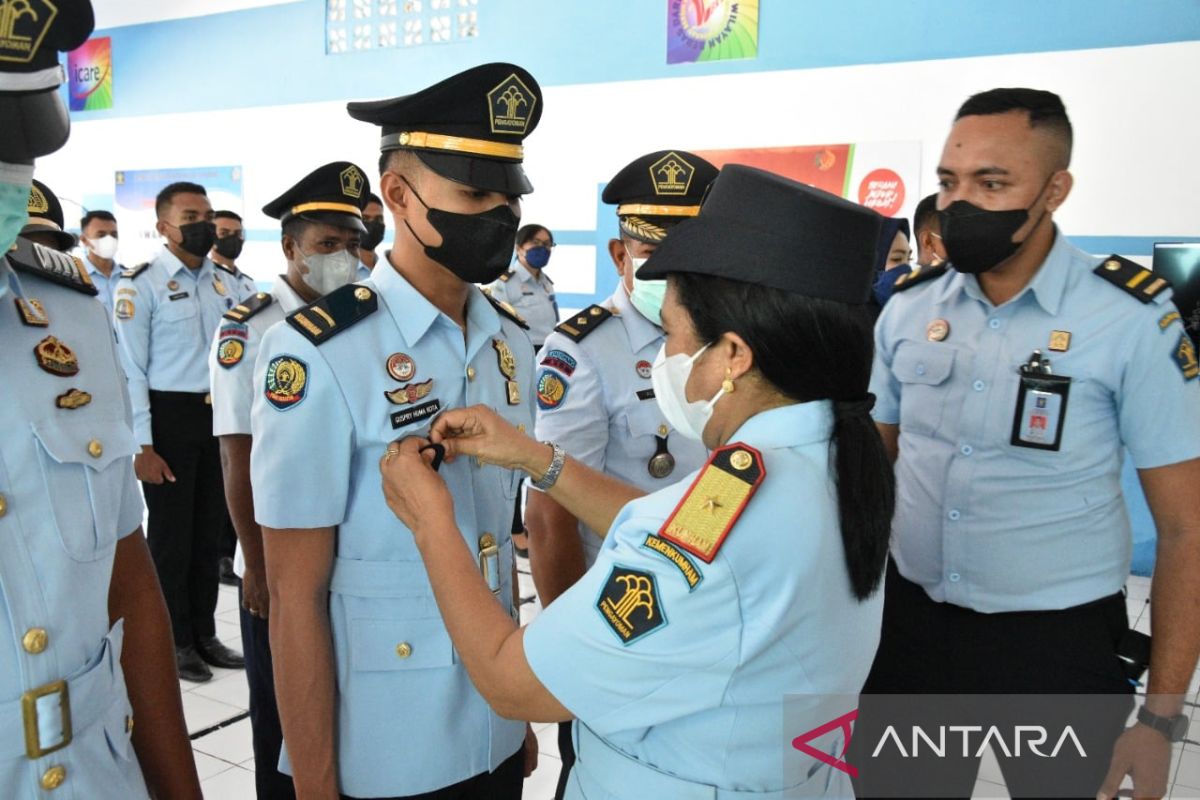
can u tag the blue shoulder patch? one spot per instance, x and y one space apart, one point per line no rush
551 390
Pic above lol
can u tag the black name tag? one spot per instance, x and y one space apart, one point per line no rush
179 295
1041 412
645 394
415 414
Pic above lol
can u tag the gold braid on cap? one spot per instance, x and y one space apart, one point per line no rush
419 140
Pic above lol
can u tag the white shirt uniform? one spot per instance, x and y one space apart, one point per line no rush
533 298
231 368
595 399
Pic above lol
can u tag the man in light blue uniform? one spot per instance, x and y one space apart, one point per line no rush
1012 385
166 313
321 220
373 700
81 617
98 239
594 391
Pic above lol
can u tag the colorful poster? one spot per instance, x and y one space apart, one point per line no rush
91 75
883 176
711 30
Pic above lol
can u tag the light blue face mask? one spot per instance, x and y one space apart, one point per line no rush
647 296
15 180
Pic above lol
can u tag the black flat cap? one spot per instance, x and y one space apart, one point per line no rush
658 190
334 194
32 34
46 216
758 227
468 128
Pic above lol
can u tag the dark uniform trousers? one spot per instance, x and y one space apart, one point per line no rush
267 735
936 648
186 517
503 784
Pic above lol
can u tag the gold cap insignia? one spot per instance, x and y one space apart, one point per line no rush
55 357
23 25
671 175
38 204
510 105
352 182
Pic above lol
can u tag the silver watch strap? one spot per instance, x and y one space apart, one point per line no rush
556 464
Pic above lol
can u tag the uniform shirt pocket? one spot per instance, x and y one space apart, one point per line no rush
175 310
85 458
386 645
922 368
644 419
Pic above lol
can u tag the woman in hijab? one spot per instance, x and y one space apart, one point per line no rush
753 579
893 257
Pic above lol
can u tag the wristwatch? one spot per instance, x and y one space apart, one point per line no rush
1174 728
556 464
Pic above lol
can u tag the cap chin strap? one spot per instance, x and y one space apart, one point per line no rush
49 78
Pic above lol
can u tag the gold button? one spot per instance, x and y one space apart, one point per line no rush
663 430
208 399
129 724
362 294
3 505
262 295
95 449
54 777
470 373
521 427
35 640
404 649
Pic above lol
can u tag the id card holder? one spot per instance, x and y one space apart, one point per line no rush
1041 409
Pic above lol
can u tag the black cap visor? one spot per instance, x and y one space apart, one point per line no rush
35 124
505 177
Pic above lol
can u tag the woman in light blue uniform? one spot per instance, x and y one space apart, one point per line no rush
739 608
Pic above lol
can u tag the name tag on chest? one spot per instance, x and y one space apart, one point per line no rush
179 295
415 414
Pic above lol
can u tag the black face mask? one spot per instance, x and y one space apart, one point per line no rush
976 240
374 235
198 237
230 247
475 247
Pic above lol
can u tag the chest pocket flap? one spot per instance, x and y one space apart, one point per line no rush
923 363
644 419
86 458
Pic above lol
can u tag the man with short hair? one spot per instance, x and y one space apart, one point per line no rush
373 701
98 234
166 312
1010 385
321 219
376 228
927 231
231 237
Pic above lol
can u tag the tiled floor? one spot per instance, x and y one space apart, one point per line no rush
225 759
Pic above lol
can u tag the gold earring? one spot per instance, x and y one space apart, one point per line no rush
727 385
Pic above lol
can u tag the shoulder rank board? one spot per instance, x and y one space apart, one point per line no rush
230 270
507 311
335 312
920 276
52 265
1132 278
715 500
138 270
249 307
506 277
583 323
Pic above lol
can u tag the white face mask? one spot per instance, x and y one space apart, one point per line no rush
328 271
647 296
669 376
104 247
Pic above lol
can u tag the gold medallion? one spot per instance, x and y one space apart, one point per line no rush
1060 341
56 358
937 330
72 399
507 361
740 460
219 287
401 367
514 393
32 312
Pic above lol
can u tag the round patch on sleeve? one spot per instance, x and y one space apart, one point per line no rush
124 309
287 382
230 352
551 390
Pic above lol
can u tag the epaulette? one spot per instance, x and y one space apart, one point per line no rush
249 307
506 277
507 311
60 268
231 270
1132 278
138 270
920 276
584 323
335 312
712 504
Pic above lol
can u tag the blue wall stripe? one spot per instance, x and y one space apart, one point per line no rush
276 55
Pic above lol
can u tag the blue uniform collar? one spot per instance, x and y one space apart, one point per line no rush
1047 286
795 425
641 330
174 265
414 315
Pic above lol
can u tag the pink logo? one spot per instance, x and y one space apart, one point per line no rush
801 743
883 191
